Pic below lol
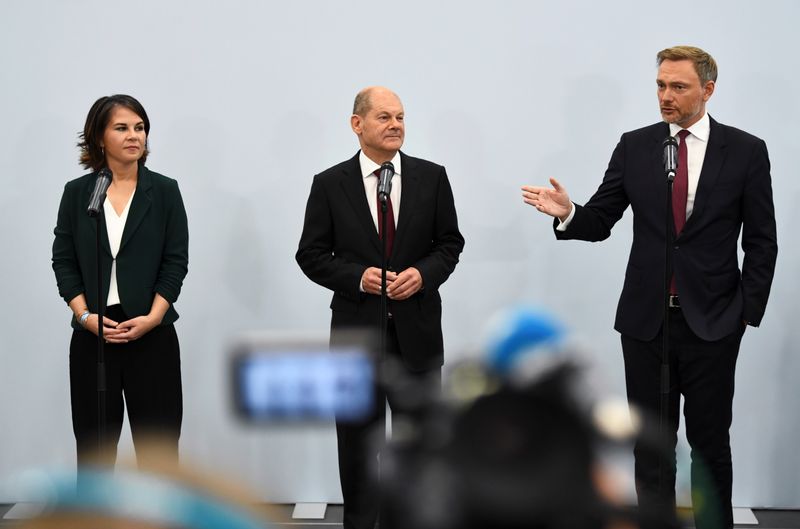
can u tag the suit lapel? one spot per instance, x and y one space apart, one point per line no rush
353 188
409 196
712 168
140 205
660 132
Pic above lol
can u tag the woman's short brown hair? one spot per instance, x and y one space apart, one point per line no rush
92 155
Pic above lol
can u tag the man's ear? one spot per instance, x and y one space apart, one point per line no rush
355 123
708 90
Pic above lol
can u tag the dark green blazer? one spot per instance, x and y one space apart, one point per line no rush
153 255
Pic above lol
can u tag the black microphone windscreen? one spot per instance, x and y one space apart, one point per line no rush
385 180
101 184
670 155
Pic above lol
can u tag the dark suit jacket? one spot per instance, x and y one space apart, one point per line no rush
339 242
734 194
153 256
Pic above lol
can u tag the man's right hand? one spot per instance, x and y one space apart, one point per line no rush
552 201
371 280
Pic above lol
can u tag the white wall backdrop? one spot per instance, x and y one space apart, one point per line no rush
249 99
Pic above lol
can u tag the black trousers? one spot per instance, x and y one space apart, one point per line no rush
147 372
703 372
359 444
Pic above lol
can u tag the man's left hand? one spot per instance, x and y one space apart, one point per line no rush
407 283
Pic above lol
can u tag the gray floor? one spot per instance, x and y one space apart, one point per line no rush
776 519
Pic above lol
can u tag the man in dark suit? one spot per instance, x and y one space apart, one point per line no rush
340 249
723 187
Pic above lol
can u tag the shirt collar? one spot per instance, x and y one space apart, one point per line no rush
700 130
368 166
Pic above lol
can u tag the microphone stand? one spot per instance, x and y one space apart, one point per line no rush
384 302
383 198
664 376
384 307
101 366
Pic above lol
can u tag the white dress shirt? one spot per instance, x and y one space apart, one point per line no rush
368 167
115 224
696 143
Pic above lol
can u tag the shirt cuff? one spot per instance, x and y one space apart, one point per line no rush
563 225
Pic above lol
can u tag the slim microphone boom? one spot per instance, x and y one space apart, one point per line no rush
385 181
670 157
99 193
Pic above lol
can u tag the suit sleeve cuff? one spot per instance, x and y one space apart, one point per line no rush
564 224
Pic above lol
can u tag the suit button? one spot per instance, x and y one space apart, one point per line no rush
676 247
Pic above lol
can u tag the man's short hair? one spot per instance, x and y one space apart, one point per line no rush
704 64
362 104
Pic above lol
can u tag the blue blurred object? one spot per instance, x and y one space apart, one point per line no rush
519 331
143 497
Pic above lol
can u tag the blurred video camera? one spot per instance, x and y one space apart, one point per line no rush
516 441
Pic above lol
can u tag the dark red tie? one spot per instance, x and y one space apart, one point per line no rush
389 220
680 191
680 187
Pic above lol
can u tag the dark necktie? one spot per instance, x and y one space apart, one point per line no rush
680 187
389 220
680 191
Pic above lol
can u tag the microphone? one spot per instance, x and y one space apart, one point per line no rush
670 157
99 193
385 181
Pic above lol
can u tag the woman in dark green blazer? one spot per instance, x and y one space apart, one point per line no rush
144 257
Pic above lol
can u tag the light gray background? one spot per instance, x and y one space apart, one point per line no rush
249 99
